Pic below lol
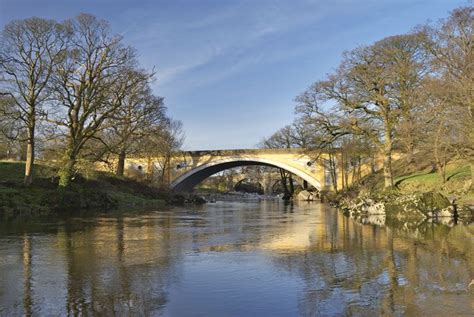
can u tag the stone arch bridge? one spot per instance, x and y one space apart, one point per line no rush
186 169
193 167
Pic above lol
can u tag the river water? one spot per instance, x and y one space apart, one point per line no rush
253 258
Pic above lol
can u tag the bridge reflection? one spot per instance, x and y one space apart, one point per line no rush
181 260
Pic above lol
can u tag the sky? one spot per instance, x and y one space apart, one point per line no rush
230 70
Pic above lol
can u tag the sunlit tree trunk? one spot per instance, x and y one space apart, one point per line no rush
121 163
387 161
149 169
30 155
343 171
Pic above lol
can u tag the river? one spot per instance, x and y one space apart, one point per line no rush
234 258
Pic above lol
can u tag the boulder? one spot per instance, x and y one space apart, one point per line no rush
446 212
376 209
432 203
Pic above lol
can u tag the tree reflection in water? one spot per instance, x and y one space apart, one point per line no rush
403 269
119 265
235 258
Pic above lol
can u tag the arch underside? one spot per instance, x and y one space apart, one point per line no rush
188 180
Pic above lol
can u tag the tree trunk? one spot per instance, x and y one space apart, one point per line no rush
292 186
121 164
333 171
410 156
373 162
149 169
472 174
471 165
443 173
441 167
359 169
343 172
354 174
66 172
284 184
30 156
387 161
439 161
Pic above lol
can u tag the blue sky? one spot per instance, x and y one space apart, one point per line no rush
229 70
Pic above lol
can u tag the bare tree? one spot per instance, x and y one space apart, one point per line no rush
283 138
159 143
373 88
90 86
409 68
137 123
451 44
29 52
326 128
139 114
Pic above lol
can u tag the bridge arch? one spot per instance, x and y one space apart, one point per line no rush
191 178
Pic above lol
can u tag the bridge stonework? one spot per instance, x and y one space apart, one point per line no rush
195 166
188 168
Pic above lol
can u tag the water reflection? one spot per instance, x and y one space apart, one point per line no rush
235 258
28 298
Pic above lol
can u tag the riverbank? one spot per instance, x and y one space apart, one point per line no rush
99 191
415 197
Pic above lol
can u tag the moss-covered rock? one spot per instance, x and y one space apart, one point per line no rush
432 203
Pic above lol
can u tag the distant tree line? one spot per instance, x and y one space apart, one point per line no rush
72 92
411 94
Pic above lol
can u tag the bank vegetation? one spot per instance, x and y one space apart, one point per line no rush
73 95
403 105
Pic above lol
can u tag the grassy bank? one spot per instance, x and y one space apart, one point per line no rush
423 179
418 195
458 184
99 191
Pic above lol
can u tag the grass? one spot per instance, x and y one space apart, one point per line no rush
102 191
454 172
458 175
11 171
422 179
14 171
